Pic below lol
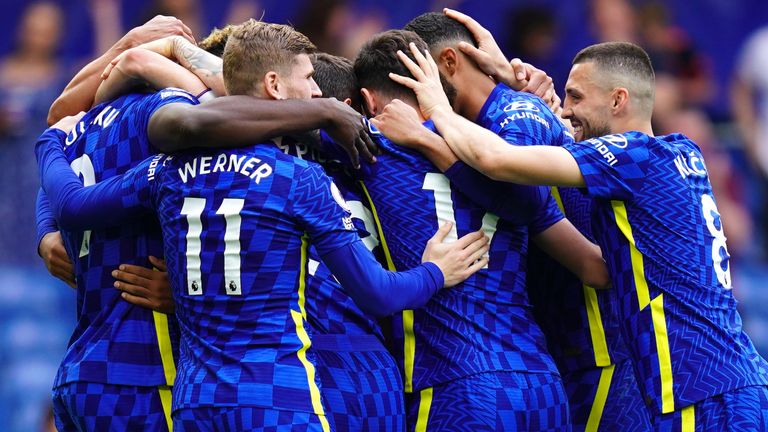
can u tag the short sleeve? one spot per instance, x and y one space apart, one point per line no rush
146 108
548 215
613 166
319 206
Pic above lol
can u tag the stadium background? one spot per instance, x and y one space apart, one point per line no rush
695 46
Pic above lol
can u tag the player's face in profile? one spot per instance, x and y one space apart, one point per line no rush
587 104
300 84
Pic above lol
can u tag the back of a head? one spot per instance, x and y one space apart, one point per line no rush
378 57
623 64
336 78
215 42
439 31
255 48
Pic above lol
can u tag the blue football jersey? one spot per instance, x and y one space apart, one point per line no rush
485 323
237 225
657 223
330 309
115 342
581 323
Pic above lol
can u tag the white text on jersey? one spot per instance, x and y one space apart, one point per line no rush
224 162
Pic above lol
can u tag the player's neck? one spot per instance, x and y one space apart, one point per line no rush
470 101
640 125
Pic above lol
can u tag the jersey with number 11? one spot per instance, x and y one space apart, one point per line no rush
656 221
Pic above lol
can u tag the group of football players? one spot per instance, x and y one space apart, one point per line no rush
268 238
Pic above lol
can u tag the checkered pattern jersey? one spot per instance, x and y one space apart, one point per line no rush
581 324
660 231
329 308
483 324
114 341
236 226
84 406
492 401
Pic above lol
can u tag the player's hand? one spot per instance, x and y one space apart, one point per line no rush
67 123
145 287
400 123
487 55
460 259
541 85
51 249
156 28
427 85
348 128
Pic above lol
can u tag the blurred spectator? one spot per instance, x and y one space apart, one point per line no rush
30 78
614 20
672 51
335 27
533 36
749 102
189 12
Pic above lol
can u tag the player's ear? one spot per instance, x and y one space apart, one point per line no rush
619 99
272 85
348 101
448 58
369 102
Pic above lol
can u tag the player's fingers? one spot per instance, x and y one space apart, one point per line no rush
136 270
129 278
64 276
421 59
187 33
412 67
138 301
469 239
479 250
476 54
363 151
474 27
442 232
158 263
519 68
408 82
475 266
134 290
432 64
371 146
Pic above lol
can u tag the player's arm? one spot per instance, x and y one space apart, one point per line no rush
563 242
50 246
382 293
206 66
512 202
139 68
79 93
479 147
75 206
236 121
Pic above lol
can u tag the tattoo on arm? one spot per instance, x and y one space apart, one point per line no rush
205 65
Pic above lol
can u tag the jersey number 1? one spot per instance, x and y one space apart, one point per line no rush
230 209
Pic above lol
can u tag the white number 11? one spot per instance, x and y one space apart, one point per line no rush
230 208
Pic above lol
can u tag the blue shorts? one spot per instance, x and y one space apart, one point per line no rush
360 383
246 419
606 398
744 409
491 401
82 406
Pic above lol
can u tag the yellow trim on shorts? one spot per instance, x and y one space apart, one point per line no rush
165 347
409 338
166 400
688 419
594 317
601 396
301 332
657 309
425 403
